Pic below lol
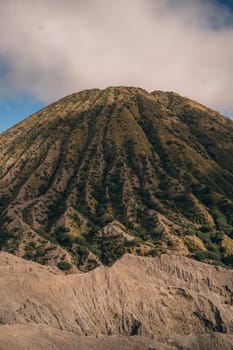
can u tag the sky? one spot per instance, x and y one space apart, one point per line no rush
51 48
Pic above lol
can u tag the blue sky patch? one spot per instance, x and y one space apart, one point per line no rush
227 3
13 111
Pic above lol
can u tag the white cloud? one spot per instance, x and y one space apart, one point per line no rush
53 48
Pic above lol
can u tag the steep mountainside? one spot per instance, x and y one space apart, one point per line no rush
139 303
103 172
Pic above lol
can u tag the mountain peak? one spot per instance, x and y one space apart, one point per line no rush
156 164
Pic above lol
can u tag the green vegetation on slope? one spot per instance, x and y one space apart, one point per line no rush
159 164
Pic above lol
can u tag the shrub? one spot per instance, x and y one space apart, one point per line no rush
217 237
228 260
205 237
139 231
221 220
4 237
205 228
42 189
96 251
202 256
64 265
82 250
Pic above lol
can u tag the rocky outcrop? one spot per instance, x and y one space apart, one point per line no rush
171 301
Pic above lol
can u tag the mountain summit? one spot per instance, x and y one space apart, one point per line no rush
104 172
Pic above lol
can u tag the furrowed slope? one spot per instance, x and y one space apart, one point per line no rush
167 302
103 172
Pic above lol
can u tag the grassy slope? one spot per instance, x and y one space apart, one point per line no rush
159 164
